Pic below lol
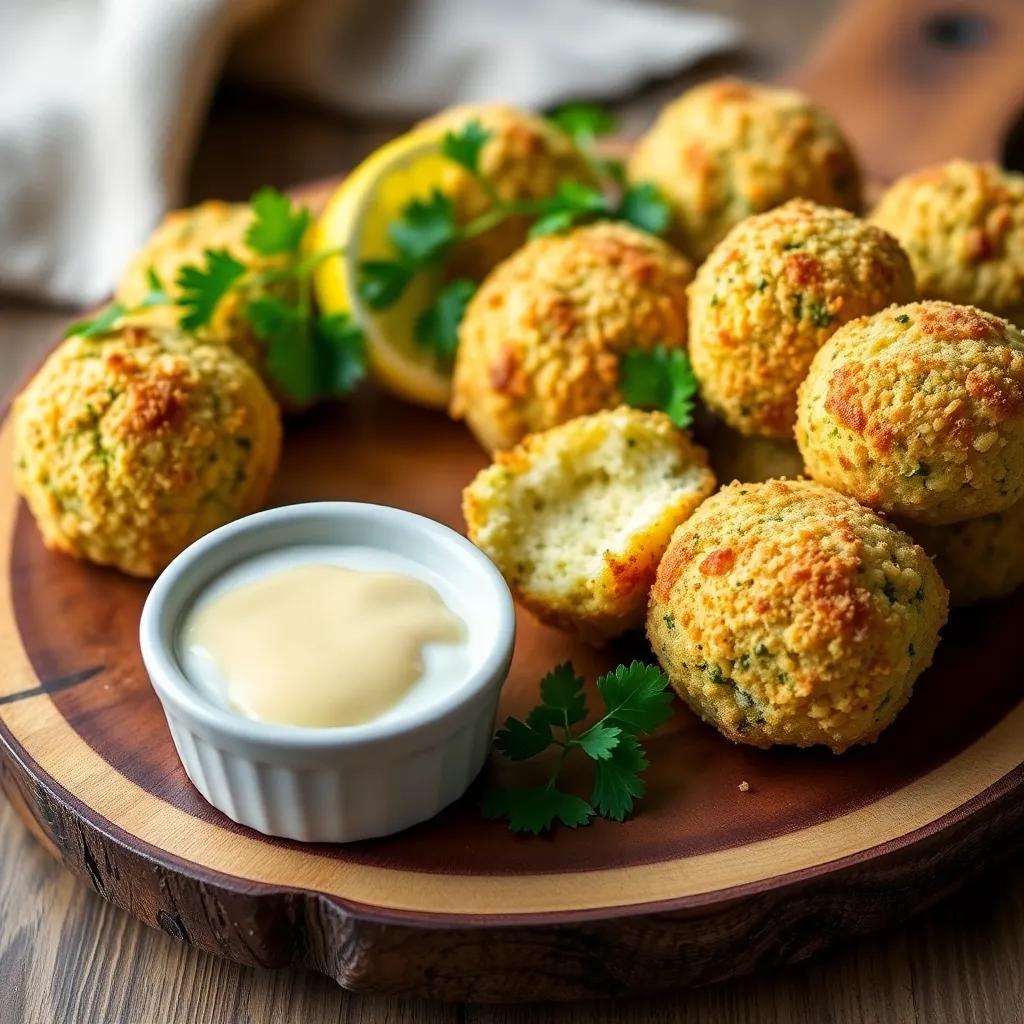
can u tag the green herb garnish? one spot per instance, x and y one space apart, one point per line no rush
659 378
636 701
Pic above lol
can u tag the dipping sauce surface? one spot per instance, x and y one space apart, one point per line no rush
321 644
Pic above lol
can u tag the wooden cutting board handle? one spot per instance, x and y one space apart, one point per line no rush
914 82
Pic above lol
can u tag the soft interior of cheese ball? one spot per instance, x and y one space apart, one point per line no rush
785 613
132 444
577 517
919 411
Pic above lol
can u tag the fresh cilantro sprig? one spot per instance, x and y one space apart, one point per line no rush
585 123
306 355
659 378
636 701
428 229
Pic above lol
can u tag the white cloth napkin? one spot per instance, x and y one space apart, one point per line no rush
101 101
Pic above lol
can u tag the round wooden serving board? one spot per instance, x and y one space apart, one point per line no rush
707 881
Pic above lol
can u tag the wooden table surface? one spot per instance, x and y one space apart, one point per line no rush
68 957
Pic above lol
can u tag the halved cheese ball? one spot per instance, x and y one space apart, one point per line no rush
578 517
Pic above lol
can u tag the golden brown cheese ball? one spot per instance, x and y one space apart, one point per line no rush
979 559
727 149
919 411
541 340
962 225
785 613
769 296
526 157
133 444
577 517
182 238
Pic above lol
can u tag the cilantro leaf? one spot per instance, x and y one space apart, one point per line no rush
285 331
572 202
583 120
465 145
279 224
536 810
438 326
425 228
381 282
617 782
636 696
519 741
659 378
99 324
202 287
561 691
599 741
341 352
644 206
157 294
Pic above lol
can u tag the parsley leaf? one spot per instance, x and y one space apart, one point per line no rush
285 332
157 294
425 228
279 225
617 781
583 121
438 326
536 810
636 699
341 350
659 378
572 202
465 145
381 282
561 690
644 206
202 287
99 324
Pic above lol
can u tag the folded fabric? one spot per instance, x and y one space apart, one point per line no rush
101 101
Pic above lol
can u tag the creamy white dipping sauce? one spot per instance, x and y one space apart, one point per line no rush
326 636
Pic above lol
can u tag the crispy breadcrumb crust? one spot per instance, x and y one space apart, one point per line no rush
541 340
962 224
919 411
785 613
727 149
577 517
131 445
769 296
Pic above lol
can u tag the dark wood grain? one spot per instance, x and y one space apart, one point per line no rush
960 964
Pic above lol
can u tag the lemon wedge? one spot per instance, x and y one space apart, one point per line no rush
356 219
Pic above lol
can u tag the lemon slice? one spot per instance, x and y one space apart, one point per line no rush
356 218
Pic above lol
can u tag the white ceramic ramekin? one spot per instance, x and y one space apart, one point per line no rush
346 783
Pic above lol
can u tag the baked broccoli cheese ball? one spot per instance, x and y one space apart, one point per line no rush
785 613
526 157
979 559
577 517
769 296
541 340
962 225
727 149
919 411
132 444
182 238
